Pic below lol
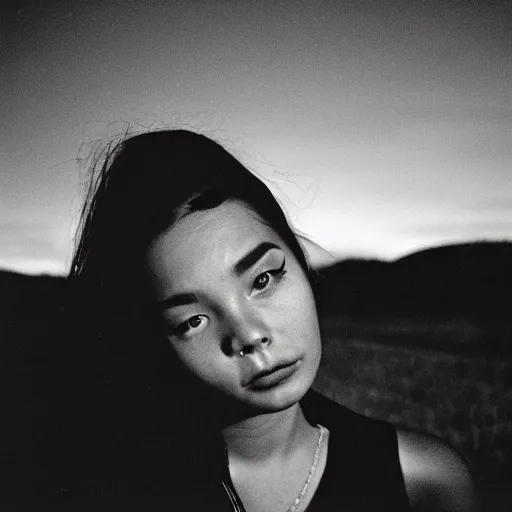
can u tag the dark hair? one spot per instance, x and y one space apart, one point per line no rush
139 188
148 182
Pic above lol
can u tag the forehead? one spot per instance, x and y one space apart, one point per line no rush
217 237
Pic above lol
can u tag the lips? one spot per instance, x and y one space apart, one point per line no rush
273 376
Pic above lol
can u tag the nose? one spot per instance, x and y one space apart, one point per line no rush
248 334
252 346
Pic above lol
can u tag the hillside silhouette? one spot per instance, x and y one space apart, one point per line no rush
462 290
455 298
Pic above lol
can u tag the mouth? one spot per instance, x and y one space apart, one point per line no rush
273 376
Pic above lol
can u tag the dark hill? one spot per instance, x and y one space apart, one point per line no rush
467 286
32 306
463 290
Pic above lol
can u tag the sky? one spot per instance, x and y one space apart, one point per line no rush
382 127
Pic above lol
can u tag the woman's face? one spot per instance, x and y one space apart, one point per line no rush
238 307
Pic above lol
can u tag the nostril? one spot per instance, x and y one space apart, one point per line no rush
246 350
227 346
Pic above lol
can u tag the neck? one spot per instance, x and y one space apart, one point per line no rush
267 436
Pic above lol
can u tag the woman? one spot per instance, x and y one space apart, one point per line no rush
203 301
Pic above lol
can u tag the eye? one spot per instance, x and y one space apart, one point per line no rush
193 324
262 281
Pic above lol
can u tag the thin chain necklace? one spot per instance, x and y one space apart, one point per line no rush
235 500
297 501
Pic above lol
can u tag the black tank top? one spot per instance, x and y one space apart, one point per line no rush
363 470
362 473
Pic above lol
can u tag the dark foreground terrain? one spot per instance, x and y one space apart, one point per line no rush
424 342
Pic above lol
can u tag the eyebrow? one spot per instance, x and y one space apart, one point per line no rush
244 264
252 257
180 299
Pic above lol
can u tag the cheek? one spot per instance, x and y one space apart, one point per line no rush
301 309
304 318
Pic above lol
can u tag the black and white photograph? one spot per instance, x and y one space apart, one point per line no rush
256 256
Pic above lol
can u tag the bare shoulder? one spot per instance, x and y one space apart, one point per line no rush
436 476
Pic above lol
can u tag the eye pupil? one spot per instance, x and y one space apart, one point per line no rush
261 281
195 321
